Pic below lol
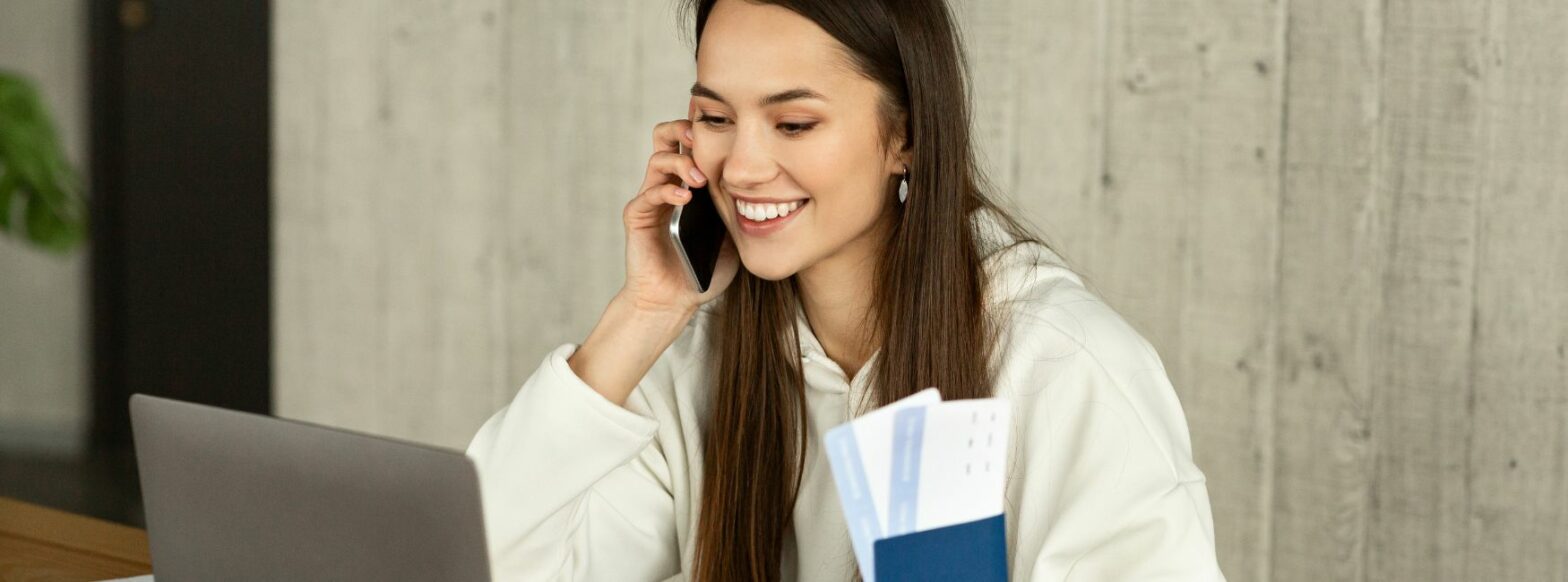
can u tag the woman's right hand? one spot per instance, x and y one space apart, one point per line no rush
658 297
656 280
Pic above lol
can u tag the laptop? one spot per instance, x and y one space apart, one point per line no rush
238 496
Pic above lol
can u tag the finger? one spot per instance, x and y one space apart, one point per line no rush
670 135
672 168
653 200
670 194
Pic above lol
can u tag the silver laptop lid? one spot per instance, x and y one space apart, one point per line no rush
238 496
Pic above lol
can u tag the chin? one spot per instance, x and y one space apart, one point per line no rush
773 268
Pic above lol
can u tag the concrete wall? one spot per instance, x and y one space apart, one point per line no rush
44 337
1341 222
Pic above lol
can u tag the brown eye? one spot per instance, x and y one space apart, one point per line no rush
794 129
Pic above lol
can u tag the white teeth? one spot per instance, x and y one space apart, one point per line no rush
761 212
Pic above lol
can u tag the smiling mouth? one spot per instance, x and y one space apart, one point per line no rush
767 212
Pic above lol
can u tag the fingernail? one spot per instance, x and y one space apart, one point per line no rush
697 175
688 134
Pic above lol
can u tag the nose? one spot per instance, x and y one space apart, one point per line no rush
750 162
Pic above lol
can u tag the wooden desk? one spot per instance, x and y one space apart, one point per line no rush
39 543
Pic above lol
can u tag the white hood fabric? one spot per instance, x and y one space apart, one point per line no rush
1102 486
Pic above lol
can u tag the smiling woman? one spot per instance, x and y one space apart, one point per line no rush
681 437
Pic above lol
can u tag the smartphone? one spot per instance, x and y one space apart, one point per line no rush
698 233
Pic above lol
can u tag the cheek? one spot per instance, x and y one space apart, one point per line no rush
707 159
845 196
844 212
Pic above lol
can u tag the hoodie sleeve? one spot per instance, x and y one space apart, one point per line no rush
1106 493
574 486
1103 485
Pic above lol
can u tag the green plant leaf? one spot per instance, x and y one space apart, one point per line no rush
34 174
7 187
51 230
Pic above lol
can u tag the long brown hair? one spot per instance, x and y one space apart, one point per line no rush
929 314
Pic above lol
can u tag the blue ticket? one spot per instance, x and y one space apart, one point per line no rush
904 487
849 475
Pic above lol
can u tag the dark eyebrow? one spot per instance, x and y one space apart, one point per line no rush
700 90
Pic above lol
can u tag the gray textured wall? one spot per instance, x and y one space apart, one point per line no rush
43 296
1343 223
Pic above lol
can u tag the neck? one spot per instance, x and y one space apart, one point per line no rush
836 294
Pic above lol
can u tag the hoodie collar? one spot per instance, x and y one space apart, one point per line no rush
821 372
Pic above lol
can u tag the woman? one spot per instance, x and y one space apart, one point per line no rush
680 439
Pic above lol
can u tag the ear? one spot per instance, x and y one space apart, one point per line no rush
900 152
897 160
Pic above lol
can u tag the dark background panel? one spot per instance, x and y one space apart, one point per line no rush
180 265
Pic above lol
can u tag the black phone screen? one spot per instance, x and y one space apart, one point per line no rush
700 236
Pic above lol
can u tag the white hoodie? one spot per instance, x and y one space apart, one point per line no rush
1102 485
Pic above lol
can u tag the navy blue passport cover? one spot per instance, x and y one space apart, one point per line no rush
973 551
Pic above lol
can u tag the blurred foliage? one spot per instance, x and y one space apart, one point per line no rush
40 196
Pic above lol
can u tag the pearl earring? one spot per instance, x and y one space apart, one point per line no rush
903 186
